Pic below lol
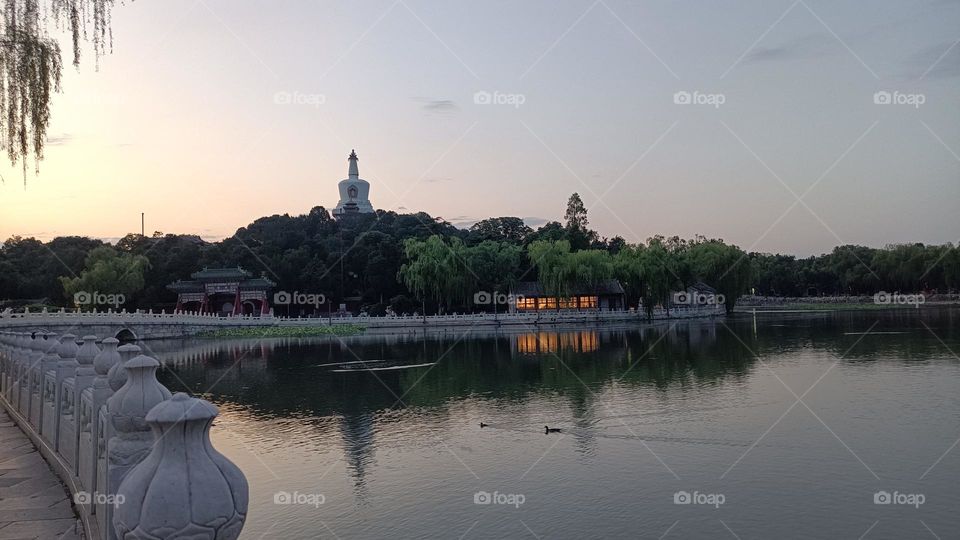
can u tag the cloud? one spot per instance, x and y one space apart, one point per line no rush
935 62
59 139
435 179
806 46
534 222
438 106
463 222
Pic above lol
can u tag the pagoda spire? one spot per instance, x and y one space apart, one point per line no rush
354 171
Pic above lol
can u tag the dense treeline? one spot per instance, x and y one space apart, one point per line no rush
411 262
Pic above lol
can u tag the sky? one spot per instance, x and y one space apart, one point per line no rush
781 126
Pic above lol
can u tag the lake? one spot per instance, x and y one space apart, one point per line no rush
794 425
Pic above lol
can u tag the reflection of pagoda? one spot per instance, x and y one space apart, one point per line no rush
358 445
224 291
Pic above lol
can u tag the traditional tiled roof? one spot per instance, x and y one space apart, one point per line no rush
215 274
535 289
702 288
180 286
257 283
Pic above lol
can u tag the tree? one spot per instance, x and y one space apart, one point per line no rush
647 272
30 66
110 273
576 227
436 270
725 267
550 231
501 229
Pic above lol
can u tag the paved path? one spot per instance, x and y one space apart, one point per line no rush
33 501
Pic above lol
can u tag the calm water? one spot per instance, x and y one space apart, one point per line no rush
708 408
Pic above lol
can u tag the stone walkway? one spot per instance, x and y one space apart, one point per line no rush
33 501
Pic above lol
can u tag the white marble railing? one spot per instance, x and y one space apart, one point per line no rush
206 319
106 426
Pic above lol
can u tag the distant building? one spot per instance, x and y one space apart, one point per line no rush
697 295
605 296
224 291
354 192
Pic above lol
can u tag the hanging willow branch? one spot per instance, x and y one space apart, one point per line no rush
31 66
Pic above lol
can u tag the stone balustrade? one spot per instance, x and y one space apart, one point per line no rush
144 325
97 413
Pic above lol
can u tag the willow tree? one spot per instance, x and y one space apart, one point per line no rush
562 272
31 66
436 270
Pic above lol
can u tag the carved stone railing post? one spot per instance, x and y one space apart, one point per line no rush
18 367
118 373
42 346
48 398
66 399
95 397
184 488
83 404
130 441
4 366
26 360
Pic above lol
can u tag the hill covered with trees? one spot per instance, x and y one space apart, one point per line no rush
409 262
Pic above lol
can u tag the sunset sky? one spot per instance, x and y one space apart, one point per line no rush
212 113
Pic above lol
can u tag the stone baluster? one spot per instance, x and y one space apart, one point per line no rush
118 374
10 348
4 364
184 488
41 346
83 404
131 440
10 352
25 363
19 347
66 437
101 391
48 387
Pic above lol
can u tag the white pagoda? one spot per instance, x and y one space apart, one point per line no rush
354 192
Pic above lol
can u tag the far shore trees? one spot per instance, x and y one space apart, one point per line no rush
376 258
109 274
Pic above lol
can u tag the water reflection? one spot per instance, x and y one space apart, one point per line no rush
361 374
300 408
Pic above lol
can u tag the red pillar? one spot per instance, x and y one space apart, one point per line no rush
236 301
264 306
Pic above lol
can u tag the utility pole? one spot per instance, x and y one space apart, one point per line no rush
142 230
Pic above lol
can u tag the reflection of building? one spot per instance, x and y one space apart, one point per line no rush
551 342
606 295
226 291
354 192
